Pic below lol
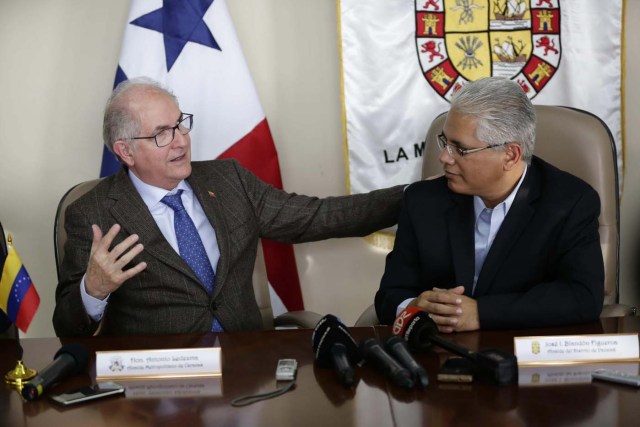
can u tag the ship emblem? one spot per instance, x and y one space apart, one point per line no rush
464 40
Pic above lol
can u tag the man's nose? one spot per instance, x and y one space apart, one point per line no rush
445 157
179 139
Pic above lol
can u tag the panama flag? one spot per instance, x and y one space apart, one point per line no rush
190 47
18 296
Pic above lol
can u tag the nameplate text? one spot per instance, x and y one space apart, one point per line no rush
166 363
568 349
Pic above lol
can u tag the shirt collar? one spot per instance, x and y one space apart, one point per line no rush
478 204
152 195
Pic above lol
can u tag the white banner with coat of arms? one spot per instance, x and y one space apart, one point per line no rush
403 59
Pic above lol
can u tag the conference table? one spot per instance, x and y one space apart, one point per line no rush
545 396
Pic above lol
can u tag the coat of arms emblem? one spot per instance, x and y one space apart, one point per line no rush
465 40
535 347
116 364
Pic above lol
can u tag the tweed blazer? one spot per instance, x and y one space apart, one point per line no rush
167 297
544 267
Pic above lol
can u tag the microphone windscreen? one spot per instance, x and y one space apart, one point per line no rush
416 327
329 331
71 359
78 352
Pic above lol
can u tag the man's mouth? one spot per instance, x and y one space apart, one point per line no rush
177 159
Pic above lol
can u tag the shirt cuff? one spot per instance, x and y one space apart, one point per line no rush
403 305
93 306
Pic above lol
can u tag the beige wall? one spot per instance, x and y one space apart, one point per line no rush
57 62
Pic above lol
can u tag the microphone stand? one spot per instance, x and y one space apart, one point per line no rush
491 365
453 347
20 374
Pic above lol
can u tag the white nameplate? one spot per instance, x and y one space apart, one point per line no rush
169 363
568 349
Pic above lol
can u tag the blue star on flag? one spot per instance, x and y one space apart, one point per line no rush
180 21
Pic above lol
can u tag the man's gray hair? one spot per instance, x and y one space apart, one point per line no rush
120 122
503 111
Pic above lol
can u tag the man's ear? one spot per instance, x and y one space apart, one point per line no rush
513 156
124 152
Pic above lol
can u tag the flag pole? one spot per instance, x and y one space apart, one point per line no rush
20 374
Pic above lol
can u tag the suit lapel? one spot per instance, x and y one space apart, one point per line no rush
514 224
132 214
205 192
460 224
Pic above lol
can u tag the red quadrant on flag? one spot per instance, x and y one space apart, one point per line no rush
257 153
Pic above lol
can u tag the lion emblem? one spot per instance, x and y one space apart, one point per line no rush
547 44
432 49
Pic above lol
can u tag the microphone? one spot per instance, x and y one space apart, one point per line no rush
373 353
398 348
421 333
334 346
71 359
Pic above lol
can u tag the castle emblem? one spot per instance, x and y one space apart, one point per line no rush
459 41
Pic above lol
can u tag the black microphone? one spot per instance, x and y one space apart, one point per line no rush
421 333
399 349
71 359
334 346
373 353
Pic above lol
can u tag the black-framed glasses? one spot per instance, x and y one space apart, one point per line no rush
166 135
442 143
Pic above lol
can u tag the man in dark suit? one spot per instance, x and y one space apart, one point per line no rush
503 239
123 266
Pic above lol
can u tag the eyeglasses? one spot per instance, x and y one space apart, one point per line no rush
165 136
442 143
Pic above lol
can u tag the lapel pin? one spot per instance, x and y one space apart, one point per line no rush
212 194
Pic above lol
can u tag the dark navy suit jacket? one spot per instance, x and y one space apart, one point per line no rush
544 267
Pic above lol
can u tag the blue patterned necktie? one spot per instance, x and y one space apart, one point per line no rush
190 246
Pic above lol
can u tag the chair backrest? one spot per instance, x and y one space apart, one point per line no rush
580 143
260 281
59 233
261 290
